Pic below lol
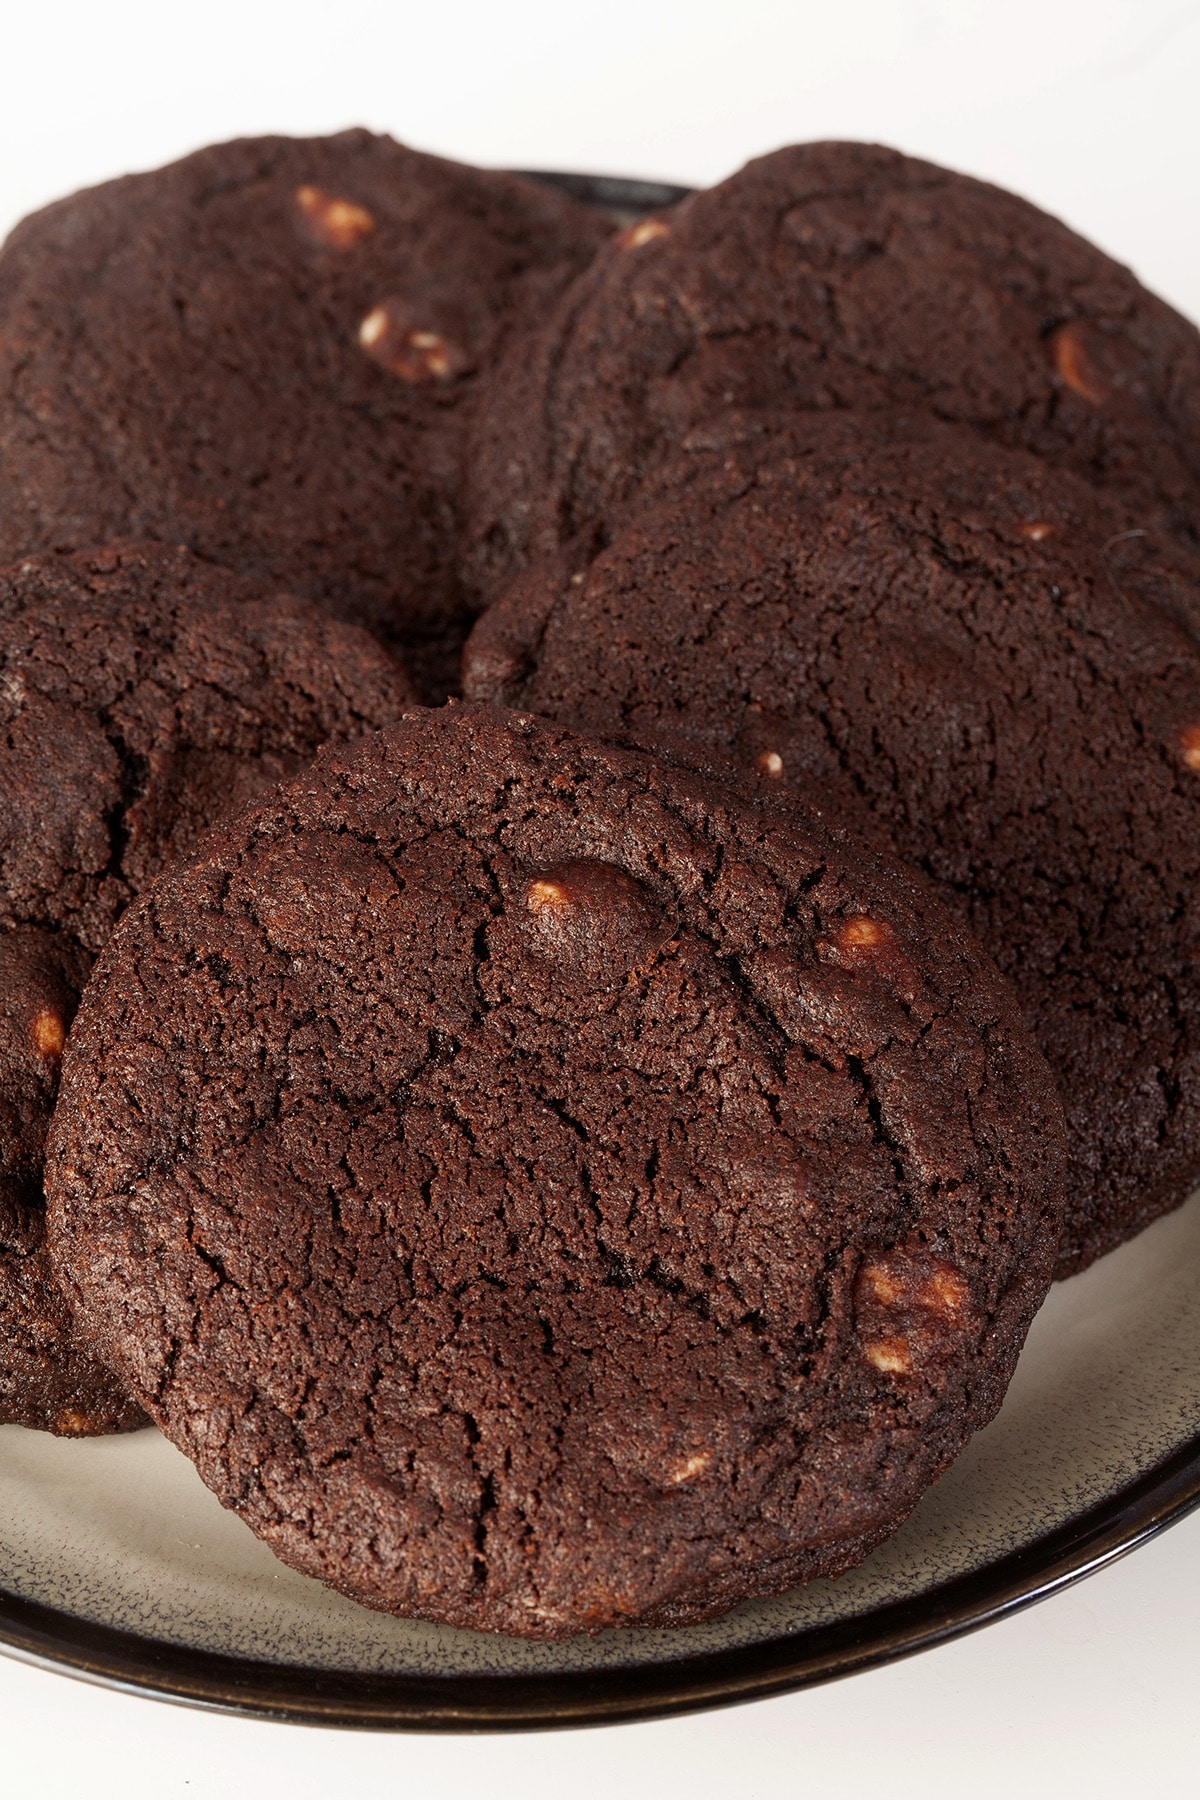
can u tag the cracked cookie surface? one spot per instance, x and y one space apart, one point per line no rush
267 352
143 694
830 276
541 1193
977 653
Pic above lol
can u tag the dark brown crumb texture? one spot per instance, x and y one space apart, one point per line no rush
143 694
541 1193
48 1377
974 651
267 352
823 277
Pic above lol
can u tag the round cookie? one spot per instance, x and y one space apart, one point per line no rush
977 650
266 352
143 694
542 1194
832 276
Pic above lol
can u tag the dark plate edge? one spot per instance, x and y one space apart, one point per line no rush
54 1640
61 1643
621 193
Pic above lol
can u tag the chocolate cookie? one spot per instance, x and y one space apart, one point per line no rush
143 694
539 1194
830 276
266 352
48 1377
977 649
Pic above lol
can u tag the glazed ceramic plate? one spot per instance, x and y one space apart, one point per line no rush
116 1564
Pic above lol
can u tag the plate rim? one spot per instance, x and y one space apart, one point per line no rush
289 1693
151 1668
620 193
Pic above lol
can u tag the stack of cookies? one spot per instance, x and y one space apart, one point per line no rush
599 829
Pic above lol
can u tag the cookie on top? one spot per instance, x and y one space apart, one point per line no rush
540 1193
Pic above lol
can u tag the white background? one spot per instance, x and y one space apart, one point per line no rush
1090 109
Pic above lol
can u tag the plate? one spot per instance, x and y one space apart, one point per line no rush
118 1565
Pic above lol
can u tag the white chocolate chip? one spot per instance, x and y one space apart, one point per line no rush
862 933
1075 366
540 895
335 222
372 328
49 1033
891 1356
690 1467
644 232
412 352
945 1291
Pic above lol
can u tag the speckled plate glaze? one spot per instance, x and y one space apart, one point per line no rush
117 1564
